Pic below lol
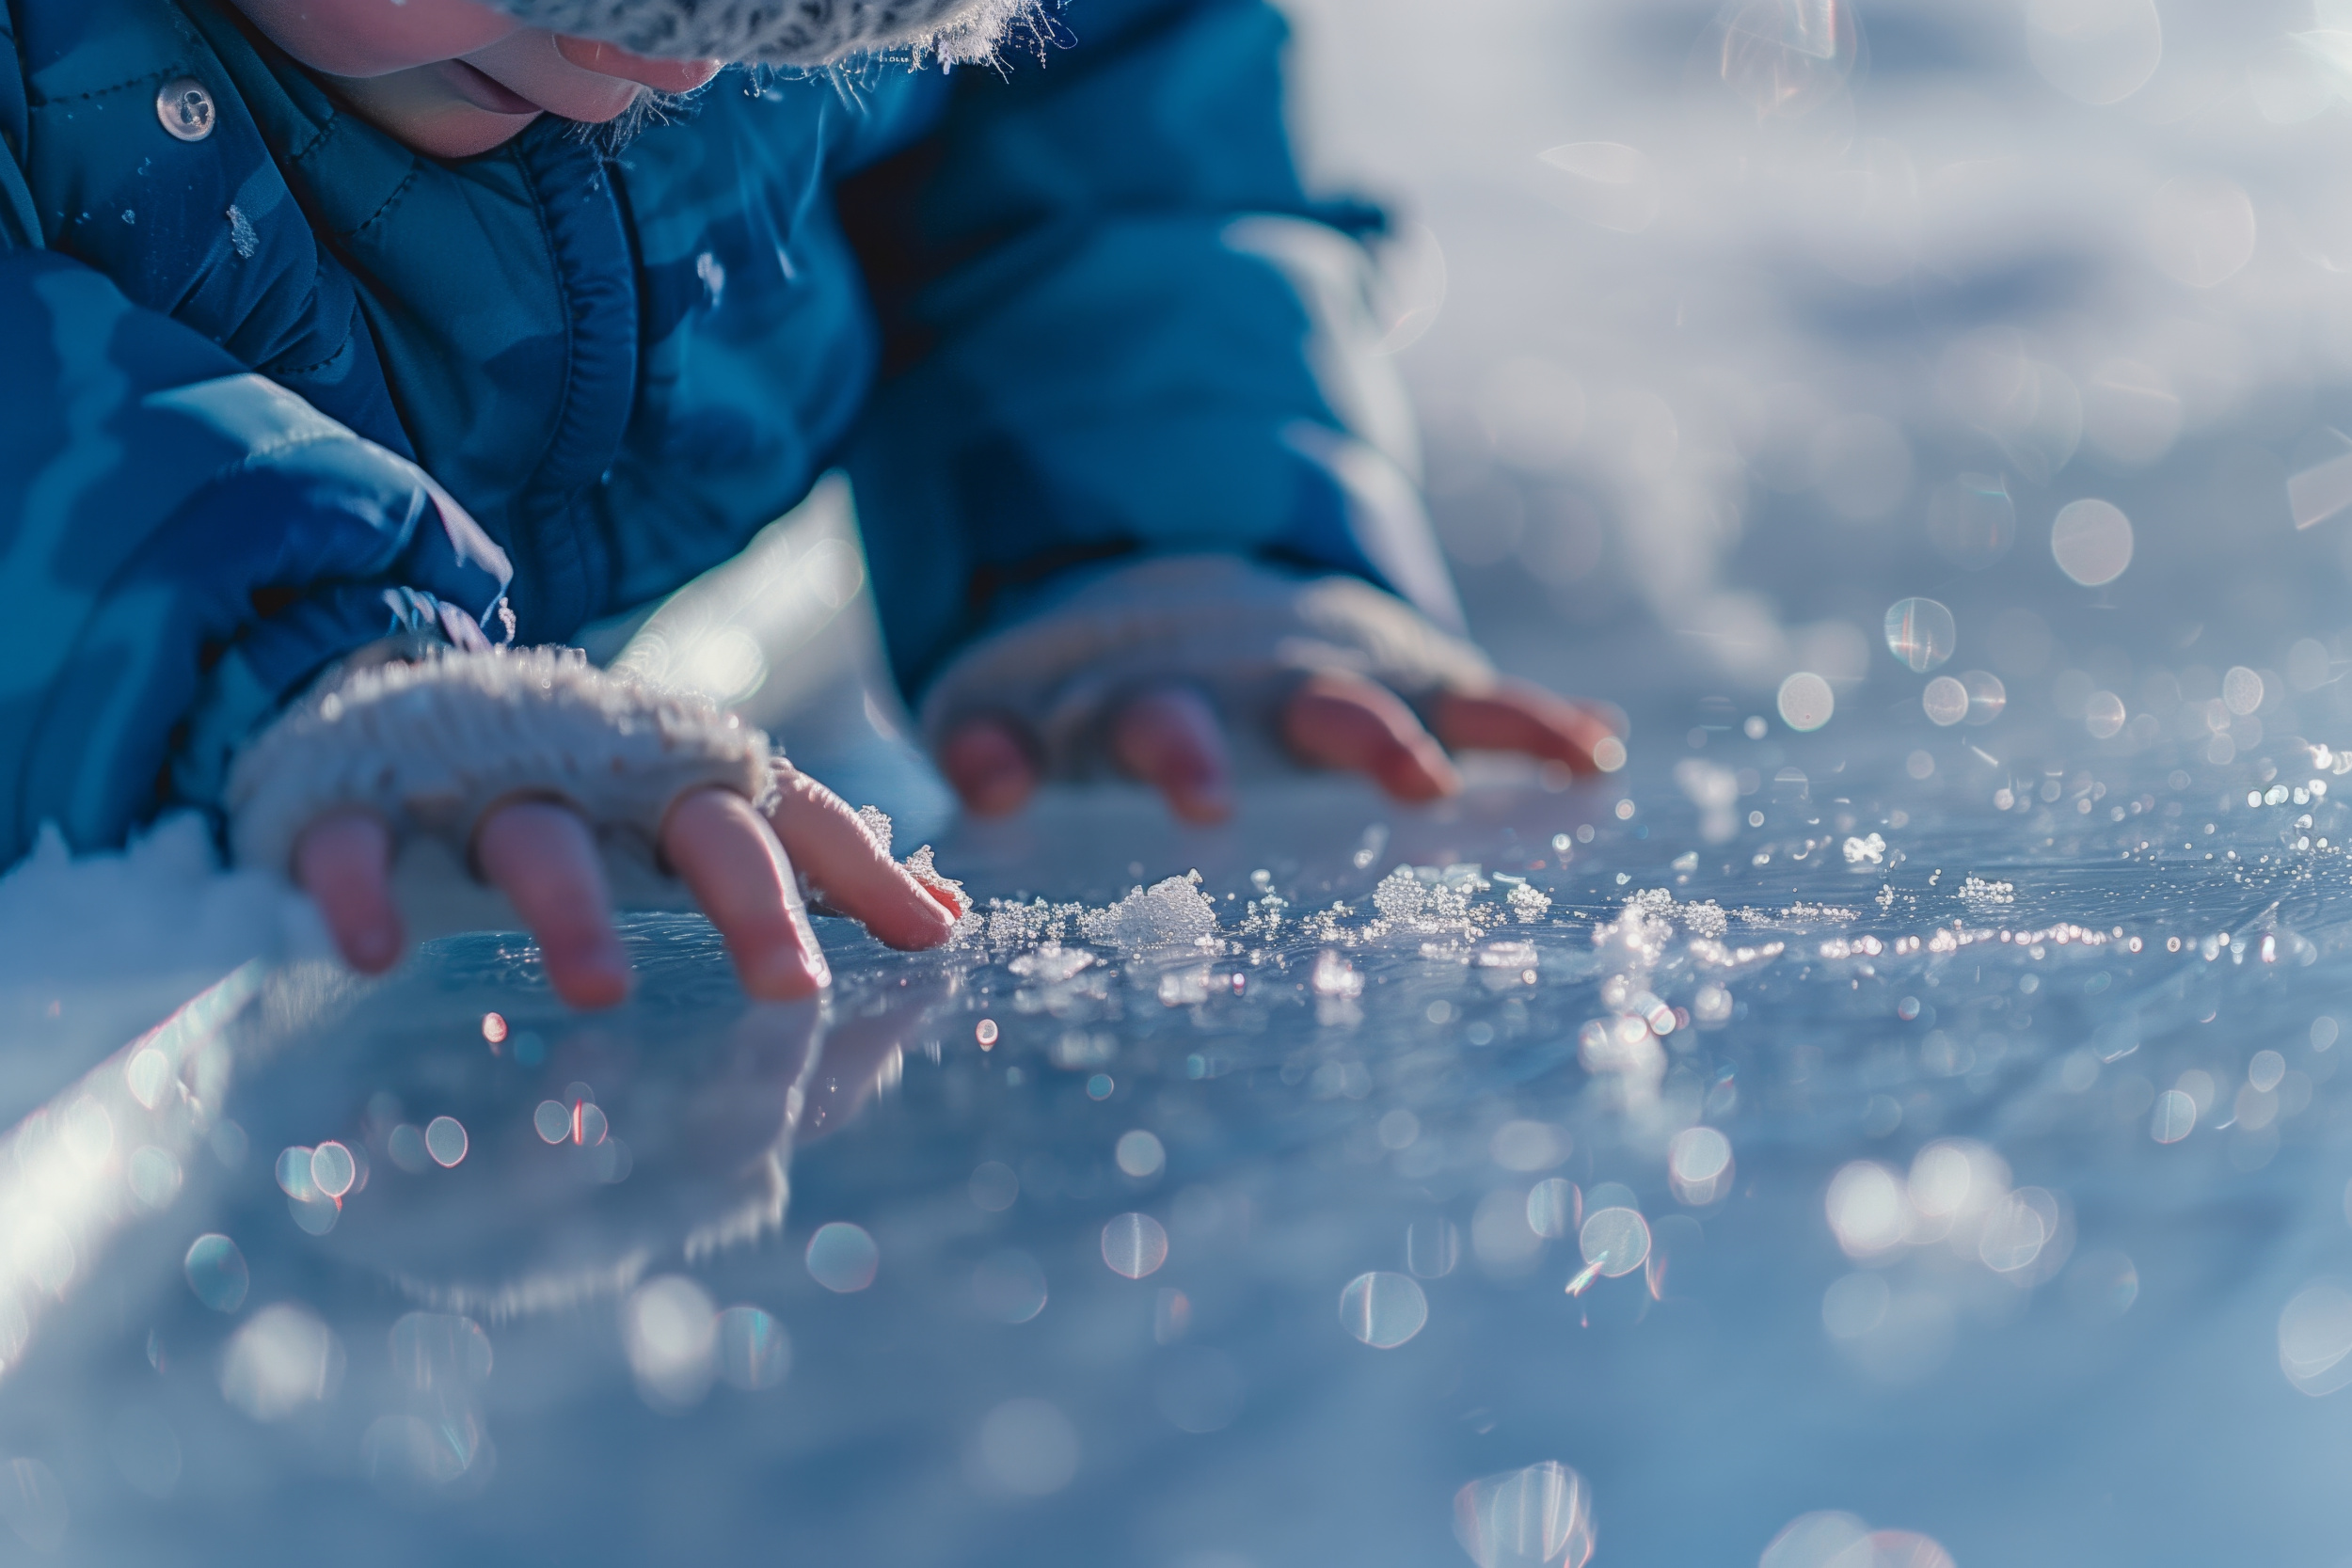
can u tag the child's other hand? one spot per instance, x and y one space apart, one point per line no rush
1171 739
1185 671
739 863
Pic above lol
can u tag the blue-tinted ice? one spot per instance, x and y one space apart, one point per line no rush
1960 1172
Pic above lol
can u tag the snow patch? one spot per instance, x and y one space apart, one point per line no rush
161 905
1170 914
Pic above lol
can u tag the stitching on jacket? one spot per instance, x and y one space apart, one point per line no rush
330 128
571 316
166 74
389 202
342 349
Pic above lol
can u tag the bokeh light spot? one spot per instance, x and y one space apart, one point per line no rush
1141 1154
2091 540
445 1141
1806 701
1383 1309
1135 1245
1921 633
843 1257
217 1272
1615 1240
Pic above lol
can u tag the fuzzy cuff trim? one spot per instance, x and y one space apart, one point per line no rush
1244 634
805 33
431 745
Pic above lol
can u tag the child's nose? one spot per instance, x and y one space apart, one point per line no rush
612 60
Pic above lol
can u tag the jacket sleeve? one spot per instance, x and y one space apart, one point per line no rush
182 543
1116 324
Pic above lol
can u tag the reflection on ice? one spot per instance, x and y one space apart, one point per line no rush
33 1504
671 1330
1783 58
754 1352
1843 1541
1539 1517
281 1359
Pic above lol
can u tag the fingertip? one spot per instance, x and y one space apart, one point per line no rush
343 862
780 983
921 921
589 975
592 991
939 915
1170 738
1202 808
375 946
1416 778
988 768
784 971
1587 738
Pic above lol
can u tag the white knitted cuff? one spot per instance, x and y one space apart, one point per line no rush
430 745
1241 633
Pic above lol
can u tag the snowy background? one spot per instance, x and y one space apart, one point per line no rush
1723 324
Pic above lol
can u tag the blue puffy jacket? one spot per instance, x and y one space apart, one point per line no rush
1044 316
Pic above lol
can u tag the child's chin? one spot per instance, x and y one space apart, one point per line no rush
466 134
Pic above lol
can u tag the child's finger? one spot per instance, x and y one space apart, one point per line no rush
343 862
989 767
1170 739
1345 721
858 877
724 849
1516 717
540 855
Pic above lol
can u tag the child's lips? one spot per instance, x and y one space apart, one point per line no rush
484 92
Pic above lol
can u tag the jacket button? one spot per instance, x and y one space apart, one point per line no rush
184 105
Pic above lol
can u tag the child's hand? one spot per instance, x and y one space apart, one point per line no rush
1166 669
543 857
1171 739
531 765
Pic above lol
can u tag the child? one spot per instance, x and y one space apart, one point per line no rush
341 355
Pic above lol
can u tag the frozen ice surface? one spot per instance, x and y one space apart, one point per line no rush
1758 1173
